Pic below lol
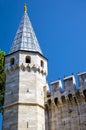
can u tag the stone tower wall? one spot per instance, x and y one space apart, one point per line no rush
24 95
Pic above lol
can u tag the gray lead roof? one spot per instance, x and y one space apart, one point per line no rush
25 38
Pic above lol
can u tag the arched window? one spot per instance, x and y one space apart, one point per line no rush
70 97
12 60
63 99
56 100
42 63
28 59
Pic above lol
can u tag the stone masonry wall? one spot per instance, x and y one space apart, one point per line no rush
66 110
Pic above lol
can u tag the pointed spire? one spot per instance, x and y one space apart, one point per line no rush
25 38
25 8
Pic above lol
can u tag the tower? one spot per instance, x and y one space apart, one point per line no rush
26 71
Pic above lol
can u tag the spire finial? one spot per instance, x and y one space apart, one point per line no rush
25 8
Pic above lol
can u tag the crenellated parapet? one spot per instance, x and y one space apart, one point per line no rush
64 93
82 81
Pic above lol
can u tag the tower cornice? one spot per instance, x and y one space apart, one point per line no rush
36 52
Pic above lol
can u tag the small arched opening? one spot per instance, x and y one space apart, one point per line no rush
70 97
63 99
12 61
28 59
56 101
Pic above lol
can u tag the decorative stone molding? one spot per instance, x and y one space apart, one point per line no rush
28 68
17 67
39 69
22 67
25 68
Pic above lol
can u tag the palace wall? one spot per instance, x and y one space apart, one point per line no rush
66 110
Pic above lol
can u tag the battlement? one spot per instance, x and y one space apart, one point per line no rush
66 89
69 84
65 103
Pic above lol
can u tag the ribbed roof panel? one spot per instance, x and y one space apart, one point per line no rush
25 38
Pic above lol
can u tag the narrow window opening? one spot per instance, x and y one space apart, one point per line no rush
42 63
28 59
56 101
84 92
63 99
70 97
12 61
27 124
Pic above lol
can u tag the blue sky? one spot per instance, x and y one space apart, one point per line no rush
60 26
0 121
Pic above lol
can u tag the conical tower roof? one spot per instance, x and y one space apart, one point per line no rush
25 38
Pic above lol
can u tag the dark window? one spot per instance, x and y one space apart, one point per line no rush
63 99
84 92
56 100
42 63
12 61
70 97
28 59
